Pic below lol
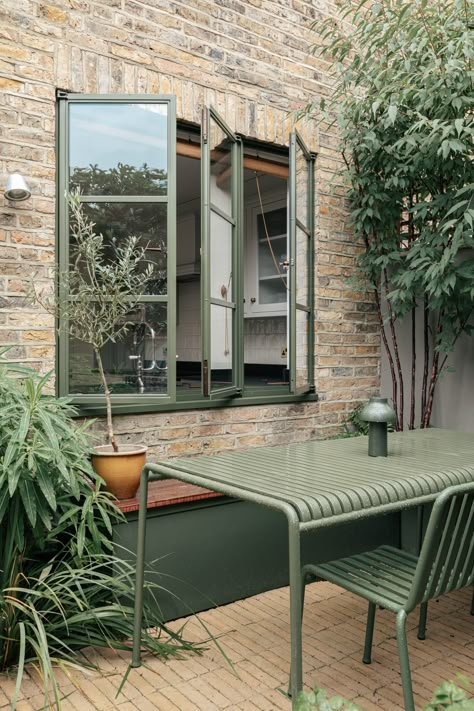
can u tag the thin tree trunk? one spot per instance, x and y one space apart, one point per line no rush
431 390
426 360
397 356
413 367
389 355
110 430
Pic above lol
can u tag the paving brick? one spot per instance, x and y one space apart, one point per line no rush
262 663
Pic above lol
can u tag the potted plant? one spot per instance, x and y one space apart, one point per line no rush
92 304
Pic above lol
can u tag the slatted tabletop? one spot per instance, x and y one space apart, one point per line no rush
335 479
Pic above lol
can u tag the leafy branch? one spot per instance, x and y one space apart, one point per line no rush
402 103
96 295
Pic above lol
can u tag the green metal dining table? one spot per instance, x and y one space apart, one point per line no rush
317 484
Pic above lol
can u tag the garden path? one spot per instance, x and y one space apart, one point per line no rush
255 636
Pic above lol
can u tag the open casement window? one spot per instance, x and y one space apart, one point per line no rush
301 230
221 290
228 224
120 152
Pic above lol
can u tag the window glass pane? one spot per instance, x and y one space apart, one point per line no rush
272 256
147 221
135 364
266 351
118 149
221 346
275 220
302 183
221 169
221 257
188 285
302 261
302 372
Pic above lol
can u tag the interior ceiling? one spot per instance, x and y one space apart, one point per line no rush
189 181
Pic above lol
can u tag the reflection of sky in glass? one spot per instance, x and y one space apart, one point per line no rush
107 134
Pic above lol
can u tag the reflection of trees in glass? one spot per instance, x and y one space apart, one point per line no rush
123 180
116 221
148 221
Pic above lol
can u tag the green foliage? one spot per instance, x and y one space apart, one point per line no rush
61 586
100 289
103 284
354 424
317 700
452 696
449 696
121 180
403 101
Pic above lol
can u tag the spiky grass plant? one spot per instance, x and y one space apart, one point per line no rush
62 587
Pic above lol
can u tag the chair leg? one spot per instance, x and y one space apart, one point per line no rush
422 620
369 633
404 661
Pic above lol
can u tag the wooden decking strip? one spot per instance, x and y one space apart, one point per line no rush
167 493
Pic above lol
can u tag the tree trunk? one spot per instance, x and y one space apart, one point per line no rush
389 355
397 358
426 361
431 390
110 429
413 368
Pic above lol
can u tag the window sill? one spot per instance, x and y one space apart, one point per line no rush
96 409
167 493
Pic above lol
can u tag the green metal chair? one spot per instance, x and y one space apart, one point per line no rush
399 581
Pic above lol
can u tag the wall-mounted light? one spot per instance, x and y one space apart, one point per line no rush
17 188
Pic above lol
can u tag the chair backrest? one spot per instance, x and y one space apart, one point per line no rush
446 560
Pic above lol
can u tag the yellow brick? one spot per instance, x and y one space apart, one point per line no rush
52 13
10 83
46 336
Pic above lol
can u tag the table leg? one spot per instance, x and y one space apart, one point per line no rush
296 676
140 570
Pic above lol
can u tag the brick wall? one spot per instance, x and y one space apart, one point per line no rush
250 59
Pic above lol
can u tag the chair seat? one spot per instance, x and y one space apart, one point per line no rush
383 576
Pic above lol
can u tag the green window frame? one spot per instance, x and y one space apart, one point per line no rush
231 220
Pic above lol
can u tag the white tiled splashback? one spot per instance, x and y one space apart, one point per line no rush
264 338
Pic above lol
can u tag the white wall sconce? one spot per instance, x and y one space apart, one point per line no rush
17 188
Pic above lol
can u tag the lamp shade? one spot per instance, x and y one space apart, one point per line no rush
17 188
377 410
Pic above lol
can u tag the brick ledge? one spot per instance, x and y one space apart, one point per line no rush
167 493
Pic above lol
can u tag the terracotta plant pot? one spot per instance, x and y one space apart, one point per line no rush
120 470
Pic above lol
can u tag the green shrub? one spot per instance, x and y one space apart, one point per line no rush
62 588
452 696
317 700
449 696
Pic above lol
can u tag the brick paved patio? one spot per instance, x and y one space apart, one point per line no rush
255 635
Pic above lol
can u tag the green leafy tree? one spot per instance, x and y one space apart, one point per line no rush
403 102
124 179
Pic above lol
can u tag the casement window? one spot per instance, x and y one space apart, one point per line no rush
228 317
